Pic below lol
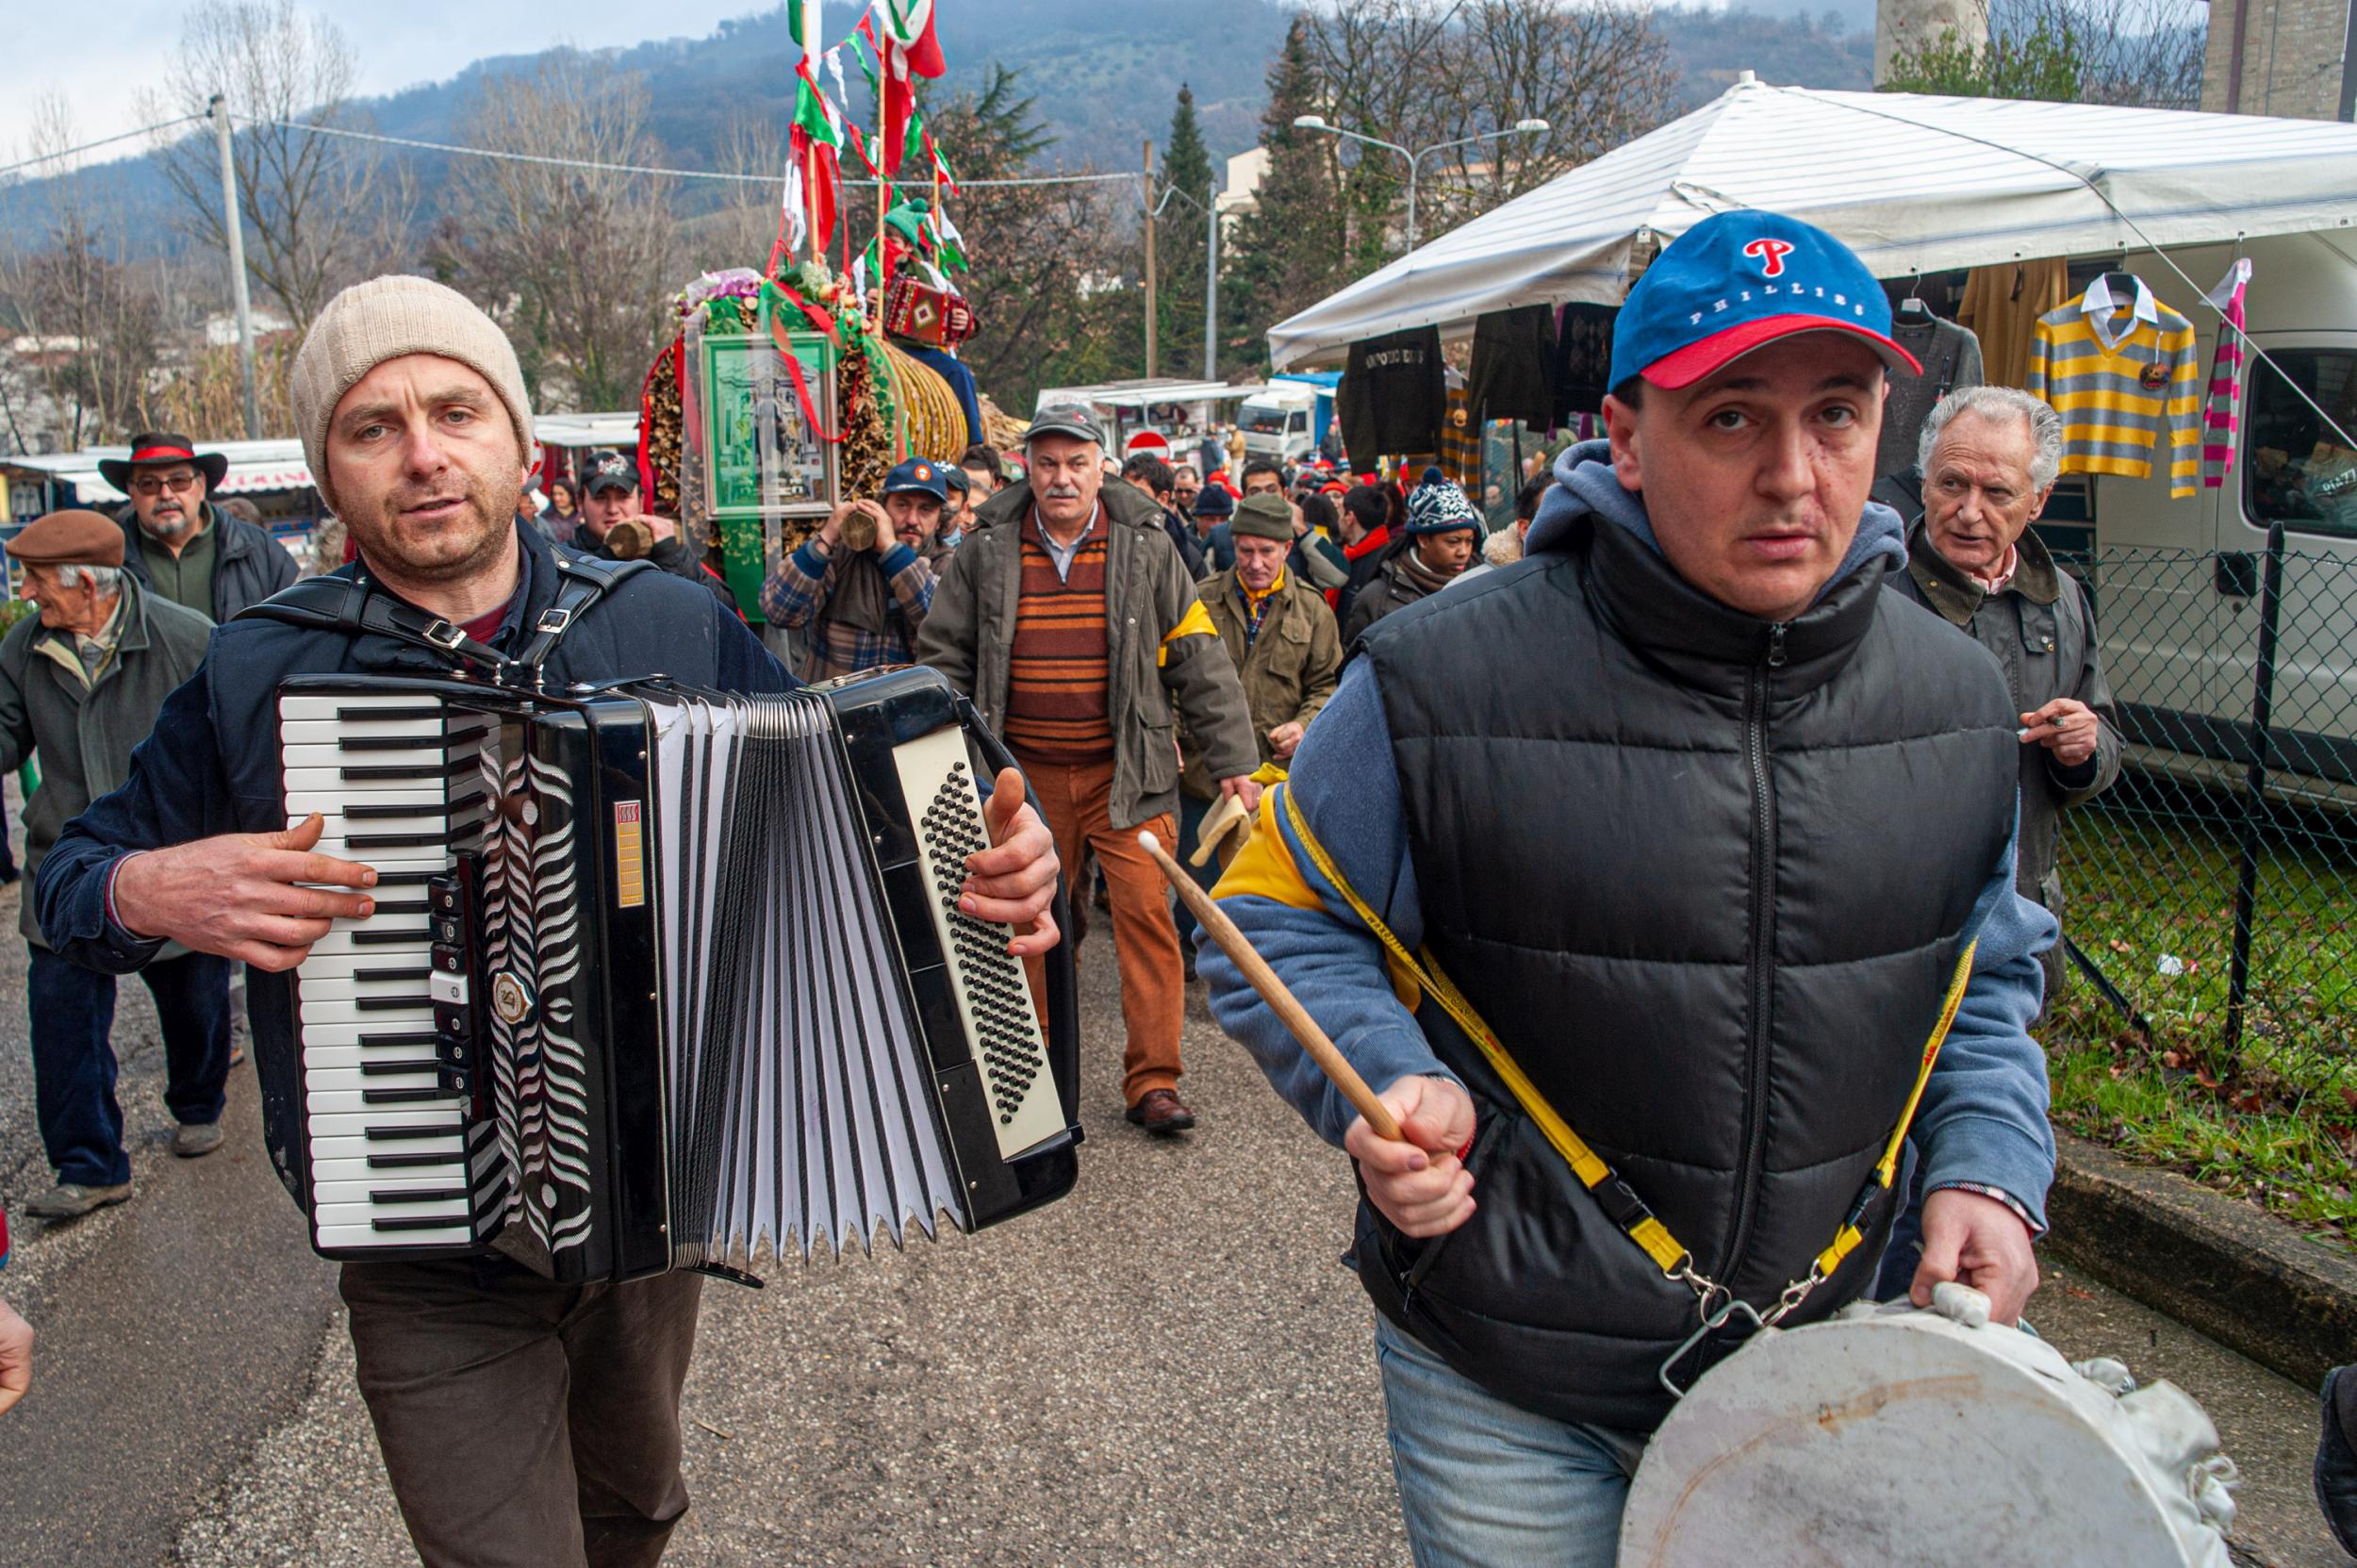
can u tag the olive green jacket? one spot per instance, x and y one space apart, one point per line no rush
1288 671
83 730
1162 657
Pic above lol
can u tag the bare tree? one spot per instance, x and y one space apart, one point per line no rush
576 262
1421 73
83 328
2140 54
743 227
320 210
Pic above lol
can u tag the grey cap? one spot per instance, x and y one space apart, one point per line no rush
1065 419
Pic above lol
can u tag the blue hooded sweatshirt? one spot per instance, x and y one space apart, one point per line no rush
1983 1120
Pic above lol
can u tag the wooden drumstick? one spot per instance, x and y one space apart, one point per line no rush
1273 991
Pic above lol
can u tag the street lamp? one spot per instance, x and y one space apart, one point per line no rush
1531 127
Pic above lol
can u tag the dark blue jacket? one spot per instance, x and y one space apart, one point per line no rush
212 766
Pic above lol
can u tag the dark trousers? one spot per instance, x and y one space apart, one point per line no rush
525 1424
1191 815
74 1060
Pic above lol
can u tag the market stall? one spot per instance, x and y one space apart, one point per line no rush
1914 184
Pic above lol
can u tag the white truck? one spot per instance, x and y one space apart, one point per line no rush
1287 419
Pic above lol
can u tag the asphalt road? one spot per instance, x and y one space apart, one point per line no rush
1169 1367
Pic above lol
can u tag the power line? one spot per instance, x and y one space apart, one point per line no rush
594 166
102 142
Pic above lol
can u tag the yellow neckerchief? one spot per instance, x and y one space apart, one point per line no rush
1256 605
1275 587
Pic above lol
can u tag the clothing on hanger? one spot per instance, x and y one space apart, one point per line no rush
1951 357
2001 305
2217 410
1583 361
1513 358
1461 441
1393 395
2119 385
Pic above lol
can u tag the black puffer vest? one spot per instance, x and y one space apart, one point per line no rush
1707 880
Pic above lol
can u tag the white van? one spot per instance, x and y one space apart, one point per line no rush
2177 580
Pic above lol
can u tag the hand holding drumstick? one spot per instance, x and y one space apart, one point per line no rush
1408 1140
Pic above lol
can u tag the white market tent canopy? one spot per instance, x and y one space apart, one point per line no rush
1912 183
1139 393
253 466
618 429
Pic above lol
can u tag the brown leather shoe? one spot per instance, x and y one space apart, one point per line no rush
1161 1112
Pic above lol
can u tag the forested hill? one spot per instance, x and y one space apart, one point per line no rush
1105 74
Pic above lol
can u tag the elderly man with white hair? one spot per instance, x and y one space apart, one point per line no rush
80 685
1989 457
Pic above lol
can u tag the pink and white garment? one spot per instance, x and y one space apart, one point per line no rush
2218 409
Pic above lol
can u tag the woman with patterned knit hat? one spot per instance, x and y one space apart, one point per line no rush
1444 535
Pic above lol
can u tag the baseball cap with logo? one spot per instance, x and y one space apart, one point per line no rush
918 476
608 471
1065 419
1738 281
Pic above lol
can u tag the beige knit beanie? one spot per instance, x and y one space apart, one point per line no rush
384 319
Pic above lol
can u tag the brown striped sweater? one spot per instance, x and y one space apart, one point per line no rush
1057 705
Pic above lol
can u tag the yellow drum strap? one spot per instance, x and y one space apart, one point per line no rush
1612 1193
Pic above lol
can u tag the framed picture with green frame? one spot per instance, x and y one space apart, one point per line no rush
760 438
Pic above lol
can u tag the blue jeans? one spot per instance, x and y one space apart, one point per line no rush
1191 815
1483 1484
74 1060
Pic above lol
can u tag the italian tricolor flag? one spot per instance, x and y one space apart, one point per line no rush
902 32
813 177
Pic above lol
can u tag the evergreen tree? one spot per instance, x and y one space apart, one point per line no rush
1287 253
1034 247
1178 238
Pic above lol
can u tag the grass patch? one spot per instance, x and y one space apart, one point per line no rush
2149 878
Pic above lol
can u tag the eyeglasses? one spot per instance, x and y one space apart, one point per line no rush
180 482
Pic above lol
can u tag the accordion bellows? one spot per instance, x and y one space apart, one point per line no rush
700 992
779 943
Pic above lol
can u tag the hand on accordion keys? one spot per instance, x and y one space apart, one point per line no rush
1014 883
260 898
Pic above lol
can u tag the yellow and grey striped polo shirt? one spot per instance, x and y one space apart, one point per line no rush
2116 397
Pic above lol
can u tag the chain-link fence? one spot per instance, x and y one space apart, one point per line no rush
2210 895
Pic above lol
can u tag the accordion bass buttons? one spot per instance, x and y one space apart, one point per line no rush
450 904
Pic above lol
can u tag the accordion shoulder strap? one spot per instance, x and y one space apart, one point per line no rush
585 579
354 606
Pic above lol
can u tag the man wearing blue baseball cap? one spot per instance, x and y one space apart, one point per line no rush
864 581
1630 944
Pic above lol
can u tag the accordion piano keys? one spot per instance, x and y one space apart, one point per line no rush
392 1160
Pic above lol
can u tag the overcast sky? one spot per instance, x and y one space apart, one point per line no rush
100 56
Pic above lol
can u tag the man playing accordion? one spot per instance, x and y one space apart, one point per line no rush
522 1422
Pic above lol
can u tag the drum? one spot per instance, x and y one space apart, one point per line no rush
1932 1438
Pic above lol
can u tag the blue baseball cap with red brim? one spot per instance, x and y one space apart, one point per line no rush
1738 281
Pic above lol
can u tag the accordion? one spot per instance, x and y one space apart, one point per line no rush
925 314
660 979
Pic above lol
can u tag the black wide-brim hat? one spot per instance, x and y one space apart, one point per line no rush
163 446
